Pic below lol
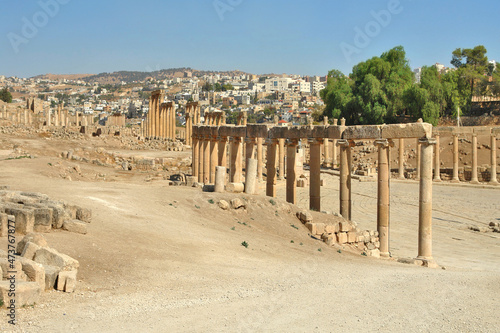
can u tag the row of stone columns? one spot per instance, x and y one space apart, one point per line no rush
161 118
192 116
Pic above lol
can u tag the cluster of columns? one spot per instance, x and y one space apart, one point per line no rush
192 118
161 118
210 144
113 120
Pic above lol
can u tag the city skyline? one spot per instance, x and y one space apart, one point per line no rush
294 37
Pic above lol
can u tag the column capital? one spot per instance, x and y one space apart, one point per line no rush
344 142
222 138
384 143
292 142
427 142
236 139
313 141
251 140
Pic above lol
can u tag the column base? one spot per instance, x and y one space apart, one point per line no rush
385 254
493 182
455 181
426 262
401 178
437 180
475 182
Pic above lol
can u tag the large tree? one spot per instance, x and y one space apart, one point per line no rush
5 95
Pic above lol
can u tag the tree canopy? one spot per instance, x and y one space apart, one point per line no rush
5 95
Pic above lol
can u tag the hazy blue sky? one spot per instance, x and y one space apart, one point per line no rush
307 37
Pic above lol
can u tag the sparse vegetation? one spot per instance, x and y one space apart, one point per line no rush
211 201
272 202
245 244
293 226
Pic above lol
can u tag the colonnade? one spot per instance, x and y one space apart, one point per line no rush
210 144
161 119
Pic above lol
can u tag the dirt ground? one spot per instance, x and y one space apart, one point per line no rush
159 258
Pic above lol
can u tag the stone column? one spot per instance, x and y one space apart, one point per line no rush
188 140
272 145
345 178
251 176
474 179
196 156
334 146
223 151
260 159
206 160
281 143
425 202
201 156
418 159
326 145
250 148
291 152
220 179
437 161
383 194
174 125
315 175
214 157
401 159
162 121
493 175
148 118
455 179
236 173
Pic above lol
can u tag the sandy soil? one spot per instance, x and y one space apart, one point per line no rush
164 259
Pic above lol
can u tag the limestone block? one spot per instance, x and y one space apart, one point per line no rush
235 187
43 219
30 250
296 132
301 182
38 239
362 132
319 132
51 274
27 293
277 132
25 219
332 228
256 131
320 228
345 226
351 237
51 257
342 238
75 226
71 210
413 130
312 227
34 271
4 224
58 214
66 281
6 267
304 216
495 131
223 204
374 253
335 132
322 182
84 214
331 239
443 131
237 203
482 130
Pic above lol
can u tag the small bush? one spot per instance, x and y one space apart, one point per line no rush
245 244
211 201
272 202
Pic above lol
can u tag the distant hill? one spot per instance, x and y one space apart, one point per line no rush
131 76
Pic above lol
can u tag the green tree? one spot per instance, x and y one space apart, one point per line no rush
471 65
5 95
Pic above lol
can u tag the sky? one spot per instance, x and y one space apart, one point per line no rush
306 37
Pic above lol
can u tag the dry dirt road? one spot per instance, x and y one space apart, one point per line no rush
164 259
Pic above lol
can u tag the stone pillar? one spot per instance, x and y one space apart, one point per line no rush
401 159
188 140
148 118
206 161
474 179
260 158
77 119
326 145
223 151
425 202
291 152
383 194
437 161
236 172
250 147
201 155
315 174
493 175
174 119
162 121
281 143
272 145
66 118
345 178
220 179
418 159
214 157
455 178
251 176
334 146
